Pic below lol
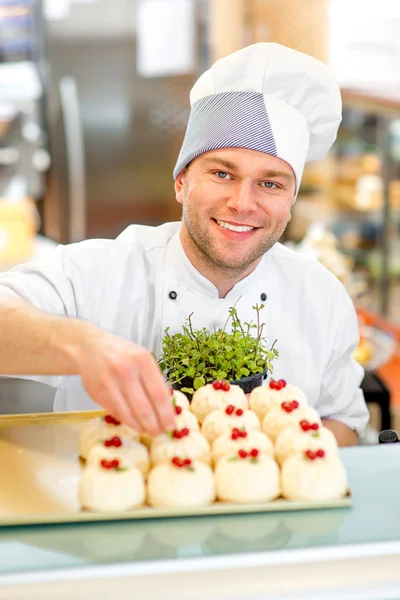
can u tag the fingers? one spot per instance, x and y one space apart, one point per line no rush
116 404
142 409
159 396
132 388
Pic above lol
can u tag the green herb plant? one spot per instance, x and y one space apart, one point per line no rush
202 356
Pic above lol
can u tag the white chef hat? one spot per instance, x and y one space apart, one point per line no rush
265 97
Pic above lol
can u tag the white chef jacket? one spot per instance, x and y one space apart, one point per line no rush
125 286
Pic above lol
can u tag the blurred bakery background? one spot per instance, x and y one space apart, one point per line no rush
93 108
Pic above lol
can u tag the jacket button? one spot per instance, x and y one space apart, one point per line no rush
173 295
263 297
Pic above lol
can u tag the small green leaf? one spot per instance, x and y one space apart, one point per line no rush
120 469
198 382
254 460
316 435
186 390
233 459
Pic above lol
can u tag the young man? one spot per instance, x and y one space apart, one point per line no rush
87 319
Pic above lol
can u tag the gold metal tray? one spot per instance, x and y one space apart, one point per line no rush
40 471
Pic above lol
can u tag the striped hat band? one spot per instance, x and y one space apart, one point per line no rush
226 120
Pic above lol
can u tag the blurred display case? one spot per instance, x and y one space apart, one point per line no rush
24 155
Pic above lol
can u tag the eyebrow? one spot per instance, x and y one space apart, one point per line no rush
268 173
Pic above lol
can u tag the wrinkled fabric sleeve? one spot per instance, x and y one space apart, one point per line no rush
341 397
59 285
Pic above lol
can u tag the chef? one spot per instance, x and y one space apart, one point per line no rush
87 319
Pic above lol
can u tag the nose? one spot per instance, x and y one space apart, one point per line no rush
243 198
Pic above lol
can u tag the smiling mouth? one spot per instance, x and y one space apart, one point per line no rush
237 228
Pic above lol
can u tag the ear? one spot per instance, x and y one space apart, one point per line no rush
179 186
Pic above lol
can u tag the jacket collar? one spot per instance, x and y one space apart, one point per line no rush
193 280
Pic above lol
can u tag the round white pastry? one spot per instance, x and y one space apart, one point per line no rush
263 398
321 479
247 480
171 486
129 454
184 419
219 422
187 419
278 419
106 490
194 446
224 445
293 440
98 430
179 399
206 399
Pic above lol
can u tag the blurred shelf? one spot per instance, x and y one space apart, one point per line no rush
372 102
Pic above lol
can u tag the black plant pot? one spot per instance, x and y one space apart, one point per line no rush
252 381
246 383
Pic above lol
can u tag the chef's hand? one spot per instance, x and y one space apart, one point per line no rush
124 378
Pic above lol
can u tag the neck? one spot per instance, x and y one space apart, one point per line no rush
223 278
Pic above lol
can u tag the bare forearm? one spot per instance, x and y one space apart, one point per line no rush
37 343
344 435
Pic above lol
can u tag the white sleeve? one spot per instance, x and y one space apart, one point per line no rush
61 285
341 397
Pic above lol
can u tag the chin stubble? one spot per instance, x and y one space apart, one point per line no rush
202 245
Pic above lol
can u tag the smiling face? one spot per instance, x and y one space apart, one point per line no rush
236 205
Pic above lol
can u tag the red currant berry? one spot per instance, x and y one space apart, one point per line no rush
294 404
235 435
239 412
272 384
111 421
242 453
286 406
305 425
320 453
217 385
310 454
177 461
225 386
187 462
229 409
243 434
315 426
282 383
185 432
178 410
254 453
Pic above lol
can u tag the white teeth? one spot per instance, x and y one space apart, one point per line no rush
234 227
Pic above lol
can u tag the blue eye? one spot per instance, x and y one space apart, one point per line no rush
269 185
222 174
